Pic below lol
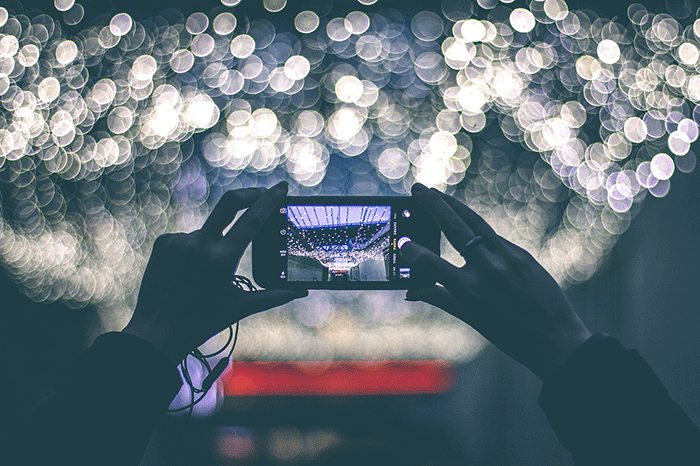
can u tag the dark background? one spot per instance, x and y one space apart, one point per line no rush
93 8
647 295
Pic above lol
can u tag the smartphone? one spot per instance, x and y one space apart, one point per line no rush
343 243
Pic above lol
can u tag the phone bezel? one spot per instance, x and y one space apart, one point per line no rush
266 245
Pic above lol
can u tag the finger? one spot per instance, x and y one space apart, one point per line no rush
228 206
425 259
437 296
243 231
458 233
479 225
161 254
159 261
471 218
258 301
463 307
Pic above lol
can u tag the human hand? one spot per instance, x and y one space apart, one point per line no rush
187 295
502 291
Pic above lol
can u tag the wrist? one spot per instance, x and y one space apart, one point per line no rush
558 352
156 337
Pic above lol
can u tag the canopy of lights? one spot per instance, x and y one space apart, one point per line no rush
339 237
554 124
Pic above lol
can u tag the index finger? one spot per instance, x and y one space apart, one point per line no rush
480 226
228 206
244 230
471 218
458 233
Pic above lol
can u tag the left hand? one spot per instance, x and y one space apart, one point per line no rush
187 295
502 291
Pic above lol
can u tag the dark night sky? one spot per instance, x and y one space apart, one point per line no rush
609 8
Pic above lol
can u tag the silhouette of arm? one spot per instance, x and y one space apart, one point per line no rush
604 402
104 407
607 406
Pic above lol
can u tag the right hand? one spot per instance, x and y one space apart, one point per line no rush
502 291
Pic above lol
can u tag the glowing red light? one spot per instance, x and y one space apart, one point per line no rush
337 378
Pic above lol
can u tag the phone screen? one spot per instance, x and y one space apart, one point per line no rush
343 244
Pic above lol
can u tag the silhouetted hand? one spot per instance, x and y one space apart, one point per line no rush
502 291
187 294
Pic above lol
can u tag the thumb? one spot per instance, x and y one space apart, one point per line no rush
465 308
258 301
425 259
436 295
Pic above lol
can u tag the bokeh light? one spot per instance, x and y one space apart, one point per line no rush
554 124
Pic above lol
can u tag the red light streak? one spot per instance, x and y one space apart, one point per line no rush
337 378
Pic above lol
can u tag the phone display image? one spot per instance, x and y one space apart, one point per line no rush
338 243
342 243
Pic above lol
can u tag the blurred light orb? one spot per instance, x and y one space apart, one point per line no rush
688 53
662 166
393 163
144 68
556 10
242 46
66 52
427 26
75 15
202 45
306 22
297 67
608 52
679 143
181 61
349 89
471 99
635 130
120 130
274 6
197 23
28 55
522 20
120 120
121 24
63 5
224 23
345 123
689 128
358 22
472 30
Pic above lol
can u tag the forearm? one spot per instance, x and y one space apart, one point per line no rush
105 407
608 407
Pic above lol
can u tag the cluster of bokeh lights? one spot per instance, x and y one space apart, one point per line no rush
554 124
